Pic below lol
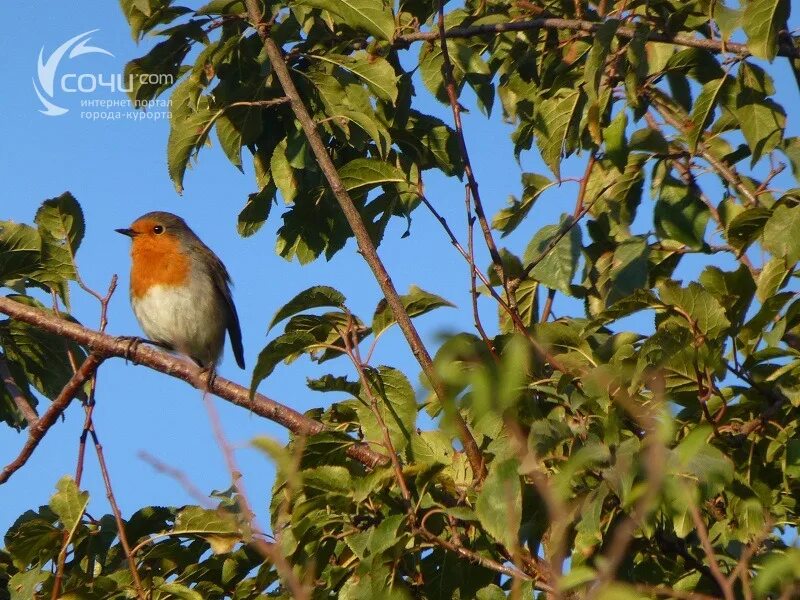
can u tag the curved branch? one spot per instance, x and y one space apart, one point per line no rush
625 33
107 346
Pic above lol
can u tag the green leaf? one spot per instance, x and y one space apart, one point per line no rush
703 110
779 571
747 226
416 302
314 297
281 348
431 447
186 136
499 501
328 479
282 173
62 228
696 460
556 262
699 304
69 503
177 590
728 19
25 585
256 211
62 218
369 172
680 215
372 16
375 71
762 123
20 250
780 233
762 20
772 275
555 117
615 142
397 407
217 527
533 185
41 355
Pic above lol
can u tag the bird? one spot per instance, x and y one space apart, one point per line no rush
180 291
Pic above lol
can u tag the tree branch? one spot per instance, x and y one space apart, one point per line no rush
107 346
625 33
37 432
365 245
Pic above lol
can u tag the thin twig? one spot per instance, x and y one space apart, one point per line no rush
58 406
363 239
123 537
455 107
476 558
473 283
713 564
269 551
354 354
666 108
548 305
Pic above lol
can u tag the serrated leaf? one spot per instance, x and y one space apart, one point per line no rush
372 16
186 136
368 173
770 279
375 71
416 302
533 185
24 585
556 262
762 19
703 110
256 211
314 297
747 226
699 304
499 501
282 173
69 503
217 527
762 123
177 590
780 233
282 347
553 121
680 215
396 405
20 250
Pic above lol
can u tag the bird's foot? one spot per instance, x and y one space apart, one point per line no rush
208 375
134 342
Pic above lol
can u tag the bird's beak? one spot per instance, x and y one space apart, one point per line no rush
129 232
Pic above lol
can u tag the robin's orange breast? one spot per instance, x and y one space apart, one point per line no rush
157 261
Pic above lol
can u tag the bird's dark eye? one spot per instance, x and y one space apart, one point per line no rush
158 229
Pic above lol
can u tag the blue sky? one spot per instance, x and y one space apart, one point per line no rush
117 170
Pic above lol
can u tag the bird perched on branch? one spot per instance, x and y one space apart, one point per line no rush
180 290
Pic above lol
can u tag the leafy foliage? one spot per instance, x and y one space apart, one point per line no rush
620 463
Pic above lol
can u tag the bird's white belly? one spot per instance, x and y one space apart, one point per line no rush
186 318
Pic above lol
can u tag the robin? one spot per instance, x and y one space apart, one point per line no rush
180 290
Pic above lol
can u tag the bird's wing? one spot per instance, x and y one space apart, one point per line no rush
221 281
